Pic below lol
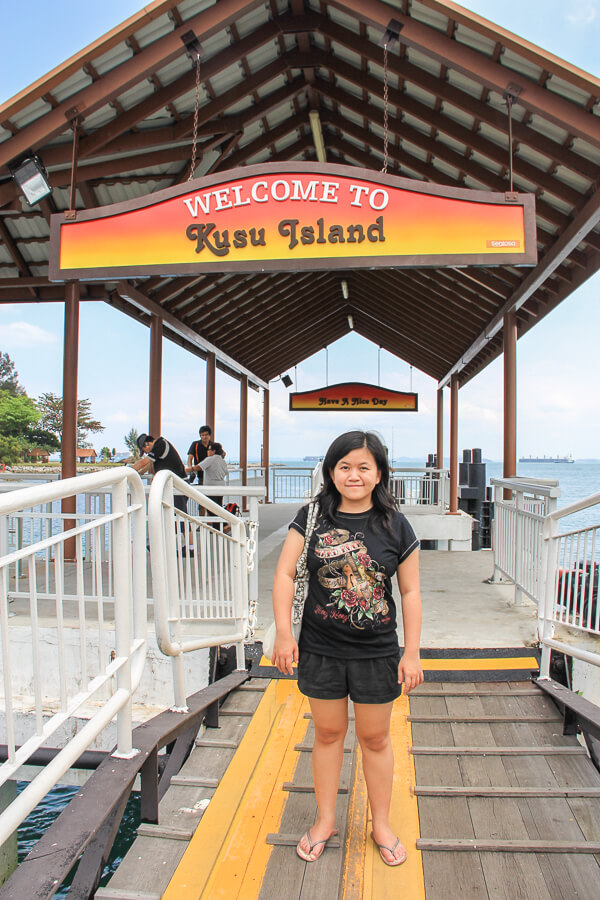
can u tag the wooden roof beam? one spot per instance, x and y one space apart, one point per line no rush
478 67
127 290
562 248
119 79
445 90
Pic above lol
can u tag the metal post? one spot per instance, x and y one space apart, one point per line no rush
69 432
440 429
8 850
453 510
211 371
155 380
244 433
121 563
509 469
265 459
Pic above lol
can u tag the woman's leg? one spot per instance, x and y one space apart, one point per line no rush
330 720
373 733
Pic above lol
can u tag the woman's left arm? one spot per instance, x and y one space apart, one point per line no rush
409 669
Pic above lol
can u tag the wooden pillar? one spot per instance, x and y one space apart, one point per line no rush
265 453
68 448
509 468
211 374
440 429
155 378
453 510
244 431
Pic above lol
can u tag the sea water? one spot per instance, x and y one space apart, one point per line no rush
576 481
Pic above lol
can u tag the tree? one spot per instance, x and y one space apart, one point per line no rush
131 443
105 454
9 379
51 409
17 414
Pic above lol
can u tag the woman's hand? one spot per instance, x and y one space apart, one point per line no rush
410 671
285 652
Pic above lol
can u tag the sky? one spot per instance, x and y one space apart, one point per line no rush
557 361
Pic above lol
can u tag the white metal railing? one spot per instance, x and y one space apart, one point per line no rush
83 653
291 484
199 574
520 505
571 567
316 479
420 487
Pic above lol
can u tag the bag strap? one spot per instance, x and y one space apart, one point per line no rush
301 578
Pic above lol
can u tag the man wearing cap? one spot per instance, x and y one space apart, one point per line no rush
197 453
160 454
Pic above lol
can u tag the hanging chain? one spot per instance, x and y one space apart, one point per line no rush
196 105
509 103
385 109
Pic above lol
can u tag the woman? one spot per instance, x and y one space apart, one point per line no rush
348 642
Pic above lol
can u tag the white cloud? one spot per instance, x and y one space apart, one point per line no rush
22 334
583 14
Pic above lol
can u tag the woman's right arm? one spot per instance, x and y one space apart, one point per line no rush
285 651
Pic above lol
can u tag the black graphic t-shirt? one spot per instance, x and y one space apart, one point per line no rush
349 610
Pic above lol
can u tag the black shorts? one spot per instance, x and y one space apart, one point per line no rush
373 680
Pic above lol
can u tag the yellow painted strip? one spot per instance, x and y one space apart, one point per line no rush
406 880
267 662
259 852
354 870
381 882
469 664
190 876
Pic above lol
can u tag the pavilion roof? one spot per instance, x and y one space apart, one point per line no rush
265 66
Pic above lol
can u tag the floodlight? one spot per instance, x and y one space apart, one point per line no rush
32 180
286 380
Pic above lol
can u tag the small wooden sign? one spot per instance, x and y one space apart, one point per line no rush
354 396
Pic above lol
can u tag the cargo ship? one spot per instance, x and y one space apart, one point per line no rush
546 459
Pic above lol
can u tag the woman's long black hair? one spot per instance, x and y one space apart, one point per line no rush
329 497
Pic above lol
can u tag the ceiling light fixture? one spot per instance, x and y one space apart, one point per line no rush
317 133
345 292
350 323
31 178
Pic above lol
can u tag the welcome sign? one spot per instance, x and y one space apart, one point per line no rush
353 395
293 216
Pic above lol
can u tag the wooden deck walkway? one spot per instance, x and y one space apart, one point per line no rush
491 800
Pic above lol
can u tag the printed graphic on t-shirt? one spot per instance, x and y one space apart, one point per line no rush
354 581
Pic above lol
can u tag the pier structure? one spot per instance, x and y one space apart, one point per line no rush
300 125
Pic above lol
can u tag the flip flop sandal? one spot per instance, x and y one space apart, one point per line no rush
308 857
390 850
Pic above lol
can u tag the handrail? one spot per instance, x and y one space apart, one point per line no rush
200 597
76 678
571 585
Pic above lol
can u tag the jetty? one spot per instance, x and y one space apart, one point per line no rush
254 181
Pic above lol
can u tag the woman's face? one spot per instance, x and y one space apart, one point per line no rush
355 476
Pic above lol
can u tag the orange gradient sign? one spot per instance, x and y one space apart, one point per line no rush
355 396
294 216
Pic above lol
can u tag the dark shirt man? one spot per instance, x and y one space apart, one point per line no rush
160 454
197 453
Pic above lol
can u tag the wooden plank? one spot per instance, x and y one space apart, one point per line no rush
486 692
492 818
108 893
164 831
445 874
552 819
242 713
508 846
194 781
215 743
309 788
486 720
546 750
307 748
499 792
